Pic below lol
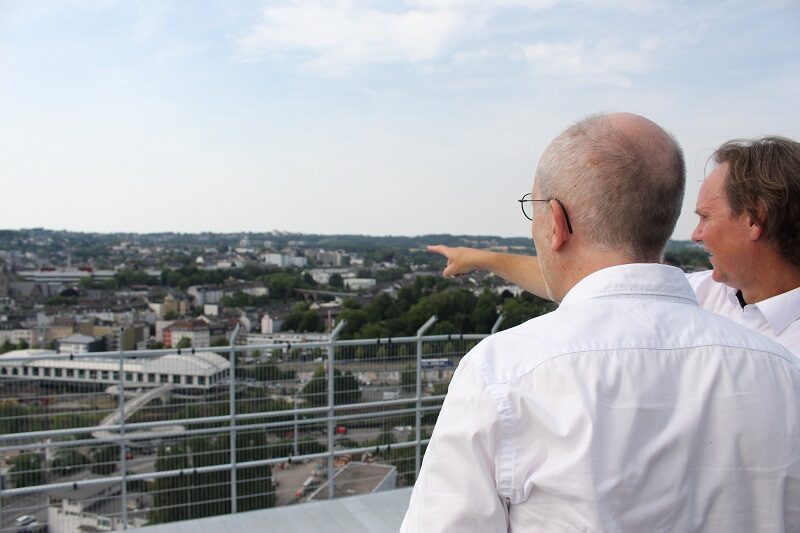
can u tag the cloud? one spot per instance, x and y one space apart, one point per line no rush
333 38
604 57
603 60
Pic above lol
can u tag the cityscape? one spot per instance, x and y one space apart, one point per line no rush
117 381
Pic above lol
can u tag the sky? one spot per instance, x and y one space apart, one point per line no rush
402 117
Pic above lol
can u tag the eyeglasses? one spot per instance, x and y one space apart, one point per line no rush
527 208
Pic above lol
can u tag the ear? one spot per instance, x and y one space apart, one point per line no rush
560 231
755 229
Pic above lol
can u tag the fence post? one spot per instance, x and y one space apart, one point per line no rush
123 460
232 409
418 412
2 488
331 406
497 323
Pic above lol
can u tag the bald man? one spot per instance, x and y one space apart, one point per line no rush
629 408
749 222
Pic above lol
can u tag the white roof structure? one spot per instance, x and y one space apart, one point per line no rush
201 364
18 354
208 365
77 338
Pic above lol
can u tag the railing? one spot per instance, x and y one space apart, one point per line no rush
115 440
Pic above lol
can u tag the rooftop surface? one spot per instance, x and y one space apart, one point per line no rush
374 513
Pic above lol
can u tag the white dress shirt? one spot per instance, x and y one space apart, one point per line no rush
777 317
629 408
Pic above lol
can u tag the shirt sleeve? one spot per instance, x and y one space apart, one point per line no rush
457 486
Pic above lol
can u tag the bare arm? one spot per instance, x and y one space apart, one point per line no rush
521 270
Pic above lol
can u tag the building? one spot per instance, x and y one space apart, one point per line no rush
79 343
358 284
252 290
129 337
13 333
162 325
198 371
514 290
328 258
283 260
52 275
205 294
323 275
5 277
94 507
197 331
49 329
270 324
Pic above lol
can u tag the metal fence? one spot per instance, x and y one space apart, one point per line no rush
115 440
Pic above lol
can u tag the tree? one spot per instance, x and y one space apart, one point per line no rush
484 314
185 342
311 321
67 461
219 341
355 319
522 309
336 281
293 319
281 284
6 347
170 315
345 386
22 344
127 277
104 460
26 470
375 331
269 371
177 498
382 307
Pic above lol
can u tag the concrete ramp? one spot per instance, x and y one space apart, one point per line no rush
130 408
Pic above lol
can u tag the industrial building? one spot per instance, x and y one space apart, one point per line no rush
198 371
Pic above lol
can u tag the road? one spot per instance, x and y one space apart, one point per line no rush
16 506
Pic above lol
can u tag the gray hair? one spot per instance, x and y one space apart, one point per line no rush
623 193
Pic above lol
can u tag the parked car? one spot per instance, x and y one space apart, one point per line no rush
24 520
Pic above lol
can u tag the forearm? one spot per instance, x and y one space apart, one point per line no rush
521 270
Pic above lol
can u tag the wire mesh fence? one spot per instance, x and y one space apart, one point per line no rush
116 440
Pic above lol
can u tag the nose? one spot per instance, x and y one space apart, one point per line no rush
697 234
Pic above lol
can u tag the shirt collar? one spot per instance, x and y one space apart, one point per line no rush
637 279
781 310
